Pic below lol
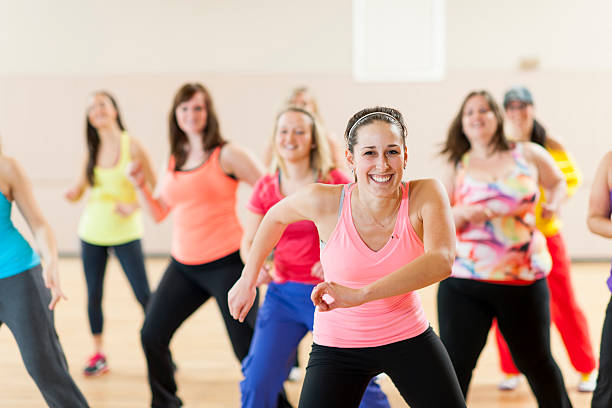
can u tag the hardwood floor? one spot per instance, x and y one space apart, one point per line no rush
208 373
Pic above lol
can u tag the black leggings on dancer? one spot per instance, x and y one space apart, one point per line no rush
181 291
419 367
466 309
94 263
602 397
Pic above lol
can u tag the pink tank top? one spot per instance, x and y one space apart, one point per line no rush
347 260
203 203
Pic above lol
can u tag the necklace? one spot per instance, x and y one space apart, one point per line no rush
374 219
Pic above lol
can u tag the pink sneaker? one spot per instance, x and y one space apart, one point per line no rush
96 365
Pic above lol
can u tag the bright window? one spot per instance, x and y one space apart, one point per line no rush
398 40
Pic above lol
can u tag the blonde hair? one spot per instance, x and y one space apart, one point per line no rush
302 90
320 155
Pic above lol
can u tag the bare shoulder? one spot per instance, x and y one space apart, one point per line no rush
554 143
9 168
607 159
426 189
533 151
233 154
318 199
232 151
12 177
325 197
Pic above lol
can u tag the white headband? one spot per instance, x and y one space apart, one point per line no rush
364 117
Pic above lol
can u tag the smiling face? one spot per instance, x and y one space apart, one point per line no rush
293 137
378 158
478 121
101 112
520 117
191 115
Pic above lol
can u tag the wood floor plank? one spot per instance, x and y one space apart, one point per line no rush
208 374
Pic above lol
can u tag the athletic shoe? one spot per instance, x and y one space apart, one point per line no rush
96 365
509 383
295 374
380 377
587 382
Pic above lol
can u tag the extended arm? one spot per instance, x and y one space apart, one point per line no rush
43 235
302 205
75 193
154 203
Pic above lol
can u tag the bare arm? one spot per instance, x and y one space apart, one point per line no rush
75 193
43 235
433 210
140 159
156 206
235 160
598 219
549 177
462 214
140 155
305 204
250 224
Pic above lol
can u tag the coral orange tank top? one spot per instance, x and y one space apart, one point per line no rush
203 205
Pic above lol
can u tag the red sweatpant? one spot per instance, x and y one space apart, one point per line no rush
564 312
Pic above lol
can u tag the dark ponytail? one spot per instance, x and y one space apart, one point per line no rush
538 134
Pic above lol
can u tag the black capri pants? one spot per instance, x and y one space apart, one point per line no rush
419 367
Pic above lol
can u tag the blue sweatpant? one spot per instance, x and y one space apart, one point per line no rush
285 317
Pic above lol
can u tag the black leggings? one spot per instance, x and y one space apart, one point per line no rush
602 397
94 263
419 367
181 291
466 309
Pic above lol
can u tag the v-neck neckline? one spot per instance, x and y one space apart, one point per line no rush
396 228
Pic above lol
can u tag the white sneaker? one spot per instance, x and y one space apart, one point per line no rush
510 382
380 377
295 374
587 382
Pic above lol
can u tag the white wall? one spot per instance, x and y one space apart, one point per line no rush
53 54
72 37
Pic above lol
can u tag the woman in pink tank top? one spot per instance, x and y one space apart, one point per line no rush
381 240
199 189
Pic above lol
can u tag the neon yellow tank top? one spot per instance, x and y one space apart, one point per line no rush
100 224
573 179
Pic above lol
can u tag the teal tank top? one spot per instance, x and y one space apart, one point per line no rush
16 255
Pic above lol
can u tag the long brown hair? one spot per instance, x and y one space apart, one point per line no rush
93 138
211 135
457 143
320 155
